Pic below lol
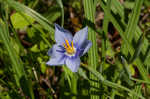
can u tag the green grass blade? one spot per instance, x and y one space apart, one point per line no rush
138 62
89 10
62 11
132 24
17 65
129 47
24 9
137 90
72 80
110 84
128 72
118 7
138 48
136 35
126 66
104 35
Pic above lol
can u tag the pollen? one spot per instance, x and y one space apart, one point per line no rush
69 48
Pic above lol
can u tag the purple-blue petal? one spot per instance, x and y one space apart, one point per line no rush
57 55
80 37
55 61
61 34
73 63
56 51
85 47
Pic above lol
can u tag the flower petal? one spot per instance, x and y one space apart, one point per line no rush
73 63
57 55
56 51
80 36
61 34
56 60
85 47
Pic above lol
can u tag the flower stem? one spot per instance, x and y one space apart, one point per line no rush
74 86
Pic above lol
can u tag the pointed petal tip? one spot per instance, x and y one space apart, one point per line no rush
76 70
47 63
61 34
86 27
56 26
73 70
86 46
90 43
81 36
50 51
73 64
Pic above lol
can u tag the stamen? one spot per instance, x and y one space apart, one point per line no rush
65 45
72 44
69 49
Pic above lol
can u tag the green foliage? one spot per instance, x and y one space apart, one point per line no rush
17 65
107 71
19 22
89 9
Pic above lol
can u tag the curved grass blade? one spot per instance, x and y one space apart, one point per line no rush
108 83
129 47
137 90
118 7
132 24
24 9
126 68
133 20
17 65
138 48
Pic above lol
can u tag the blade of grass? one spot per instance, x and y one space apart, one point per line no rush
17 65
138 33
108 83
104 35
40 19
133 20
62 11
137 90
117 26
39 29
119 8
72 80
139 63
24 9
132 24
128 72
138 48
89 10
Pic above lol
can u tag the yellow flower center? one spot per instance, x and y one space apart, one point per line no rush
69 49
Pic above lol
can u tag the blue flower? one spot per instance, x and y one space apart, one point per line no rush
69 49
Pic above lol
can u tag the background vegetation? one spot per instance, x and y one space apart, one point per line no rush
116 67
